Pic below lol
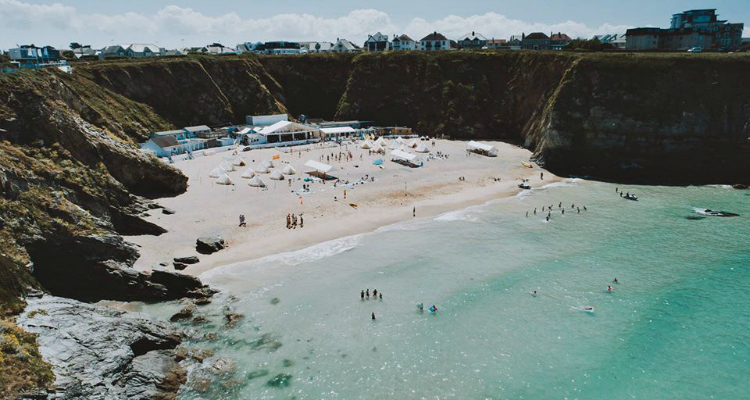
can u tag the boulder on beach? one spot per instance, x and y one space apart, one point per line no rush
179 266
187 260
209 244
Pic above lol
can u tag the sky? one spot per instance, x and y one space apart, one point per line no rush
177 24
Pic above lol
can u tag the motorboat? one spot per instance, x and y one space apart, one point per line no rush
631 197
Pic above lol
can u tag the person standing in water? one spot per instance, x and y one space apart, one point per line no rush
527 214
362 295
375 293
373 316
414 212
615 281
535 210
381 296
367 293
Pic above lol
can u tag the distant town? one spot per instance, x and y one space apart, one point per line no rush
694 31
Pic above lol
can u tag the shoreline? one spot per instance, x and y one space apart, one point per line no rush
433 189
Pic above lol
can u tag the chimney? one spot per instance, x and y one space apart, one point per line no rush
472 33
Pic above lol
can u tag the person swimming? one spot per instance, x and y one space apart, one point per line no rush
610 289
615 281
533 293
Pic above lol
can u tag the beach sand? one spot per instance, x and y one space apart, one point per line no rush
209 209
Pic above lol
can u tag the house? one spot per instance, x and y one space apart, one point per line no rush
164 146
281 47
535 41
316 47
178 134
693 28
30 54
434 41
515 42
498 44
248 47
137 50
200 131
345 46
558 41
115 51
403 42
218 49
472 41
84 51
377 42
265 120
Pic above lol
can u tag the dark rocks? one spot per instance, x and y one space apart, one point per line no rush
202 301
181 285
167 211
186 313
280 381
187 260
101 353
231 319
740 186
179 266
209 245
275 301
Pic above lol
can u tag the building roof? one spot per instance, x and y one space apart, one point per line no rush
643 31
320 167
561 36
536 36
165 141
140 48
377 37
347 44
472 36
197 128
341 129
403 38
169 133
112 49
434 36
497 41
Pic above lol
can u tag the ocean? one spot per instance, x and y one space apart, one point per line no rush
676 326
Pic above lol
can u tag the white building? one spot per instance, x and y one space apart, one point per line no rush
138 50
316 47
265 120
377 42
285 132
345 46
403 42
434 41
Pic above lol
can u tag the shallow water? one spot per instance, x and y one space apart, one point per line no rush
676 326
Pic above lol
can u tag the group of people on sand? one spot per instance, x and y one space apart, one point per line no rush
340 156
559 207
291 221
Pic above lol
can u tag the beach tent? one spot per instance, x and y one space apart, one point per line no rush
256 182
224 179
289 170
481 148
249 173
267 163
380 141
238 161
366 145
227 166
409 158
403 148
261 169
276 175
399 140
318 168
379 149
393 145
217 172
413 143
422 148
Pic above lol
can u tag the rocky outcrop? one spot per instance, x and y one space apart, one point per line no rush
101 353
209 244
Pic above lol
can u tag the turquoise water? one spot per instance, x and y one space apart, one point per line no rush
675 327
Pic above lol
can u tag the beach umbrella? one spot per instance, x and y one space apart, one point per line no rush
256 182
249 173
289 170
217 172
224 179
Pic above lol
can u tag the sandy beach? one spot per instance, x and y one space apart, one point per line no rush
209 209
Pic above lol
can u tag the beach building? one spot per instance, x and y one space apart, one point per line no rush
434 41
164 146
497 44
218 49
689 29
481 148
178 134
345 46
535 41
281 47
265 120
377 42
37 57
288 133
472 41
199 131
337 133
316 47
403 42
558 41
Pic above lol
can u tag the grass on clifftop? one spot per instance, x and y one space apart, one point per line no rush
22 369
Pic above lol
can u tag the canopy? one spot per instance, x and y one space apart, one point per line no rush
404 156
482 148
249 173
422 149
413 143
289 170
348 130
319 167
227 166
224 179
217 172
256 182
261 169
276 175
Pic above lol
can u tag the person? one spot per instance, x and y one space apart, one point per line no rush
242 220
288 221
362 295
620 194
301 222
541 176
616 281
542 208
527 214
375 293
373 316
559 205
381 296
433 308
579 210
609 288
420 306
563 211
534 210
617 189
585 209
290 182
572 206
414 212
547 218
367 293
533 293
344 194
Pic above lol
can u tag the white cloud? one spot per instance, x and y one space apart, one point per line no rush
171 25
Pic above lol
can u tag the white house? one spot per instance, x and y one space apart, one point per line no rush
138 50
377 42
434 41
316 47
338 132
162 146
345 46
198 131
403 42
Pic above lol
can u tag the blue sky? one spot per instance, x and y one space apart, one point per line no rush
191 23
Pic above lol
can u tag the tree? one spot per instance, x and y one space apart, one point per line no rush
75 45
588 45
